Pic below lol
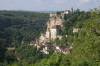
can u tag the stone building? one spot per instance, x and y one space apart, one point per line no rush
76 30
54 27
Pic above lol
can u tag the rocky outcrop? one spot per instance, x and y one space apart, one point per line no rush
54 24
54 27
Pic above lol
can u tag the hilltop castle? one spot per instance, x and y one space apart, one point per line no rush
53 32
54 27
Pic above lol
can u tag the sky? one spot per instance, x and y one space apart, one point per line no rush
48 5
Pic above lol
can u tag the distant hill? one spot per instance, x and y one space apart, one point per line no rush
18 29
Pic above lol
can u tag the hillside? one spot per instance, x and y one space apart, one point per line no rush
85 42
17 23
18 29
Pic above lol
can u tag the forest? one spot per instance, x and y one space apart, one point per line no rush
19 28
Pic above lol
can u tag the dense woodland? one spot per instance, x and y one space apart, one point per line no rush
18 29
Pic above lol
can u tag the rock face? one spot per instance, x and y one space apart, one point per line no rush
54 27
53 30
54 24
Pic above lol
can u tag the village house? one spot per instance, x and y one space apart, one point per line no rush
45 50
62 49
76 30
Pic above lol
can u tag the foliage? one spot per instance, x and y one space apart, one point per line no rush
18 29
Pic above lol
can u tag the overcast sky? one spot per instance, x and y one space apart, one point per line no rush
47 5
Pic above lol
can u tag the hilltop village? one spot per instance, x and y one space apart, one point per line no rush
53 32
64 38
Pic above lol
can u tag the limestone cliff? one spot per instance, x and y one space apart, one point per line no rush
54 25
53 30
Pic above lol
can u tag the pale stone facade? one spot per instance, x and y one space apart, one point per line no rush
47 34
42 38
53 33
75 30
54 27
54 24
45 50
